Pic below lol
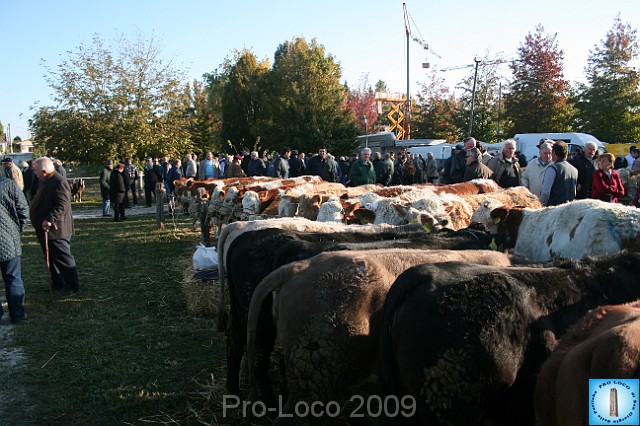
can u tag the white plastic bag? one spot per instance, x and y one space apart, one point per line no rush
205 258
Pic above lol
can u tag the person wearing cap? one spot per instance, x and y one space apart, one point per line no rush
118 191
362 171
255 166
281 165
50 213
13 172
13 216
234 169
105 179
534 173
296 165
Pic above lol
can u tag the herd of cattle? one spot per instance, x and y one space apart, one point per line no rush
410 285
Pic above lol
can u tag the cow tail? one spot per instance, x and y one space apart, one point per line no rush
270 283
392 383
222 305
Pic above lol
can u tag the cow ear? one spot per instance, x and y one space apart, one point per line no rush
499 214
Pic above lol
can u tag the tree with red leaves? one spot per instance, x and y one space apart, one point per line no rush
537 101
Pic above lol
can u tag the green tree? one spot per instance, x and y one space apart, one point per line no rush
433 113
241 99
609 105
202 129
124 104
303 103
537 98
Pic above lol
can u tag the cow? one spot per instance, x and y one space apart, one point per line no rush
572 230
268 244
77 187
605 343
466 341
327 312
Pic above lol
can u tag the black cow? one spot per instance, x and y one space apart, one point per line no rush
254 254
467 341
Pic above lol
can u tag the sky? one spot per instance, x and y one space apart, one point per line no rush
367 37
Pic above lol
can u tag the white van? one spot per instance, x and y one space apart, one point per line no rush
441 151
527 143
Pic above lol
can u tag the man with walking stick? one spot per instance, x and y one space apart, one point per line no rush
13 215
51 217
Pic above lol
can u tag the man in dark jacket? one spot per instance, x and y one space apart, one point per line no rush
13 216
320 165
152 175
459 161
105 176
50 214
383 171
586 164
118 191
255 166
296 165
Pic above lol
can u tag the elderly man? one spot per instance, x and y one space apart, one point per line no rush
534 173
475 168
505 167
255 166
459 161
190 167
586 164
13 172
559 182
50 215
320 165
362 171
13 216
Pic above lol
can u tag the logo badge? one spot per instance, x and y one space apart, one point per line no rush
613 401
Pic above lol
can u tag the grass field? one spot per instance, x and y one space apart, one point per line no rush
124 350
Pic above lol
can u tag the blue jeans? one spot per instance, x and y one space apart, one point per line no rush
14 288
105 207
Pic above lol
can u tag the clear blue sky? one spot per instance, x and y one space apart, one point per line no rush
365 37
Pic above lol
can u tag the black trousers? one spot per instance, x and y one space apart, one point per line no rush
134 193
62 265
118 212
149 192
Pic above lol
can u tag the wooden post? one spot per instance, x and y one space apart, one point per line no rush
161 194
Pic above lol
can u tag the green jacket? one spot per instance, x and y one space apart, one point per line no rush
361 173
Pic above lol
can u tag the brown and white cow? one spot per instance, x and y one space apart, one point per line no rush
572 230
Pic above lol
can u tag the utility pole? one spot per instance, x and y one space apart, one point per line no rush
9 140
473 95
407 115
499 102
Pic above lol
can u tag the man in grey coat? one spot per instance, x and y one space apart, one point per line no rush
13 216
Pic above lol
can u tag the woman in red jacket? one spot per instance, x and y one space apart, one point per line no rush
607 185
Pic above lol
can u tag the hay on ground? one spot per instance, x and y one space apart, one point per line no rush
201 296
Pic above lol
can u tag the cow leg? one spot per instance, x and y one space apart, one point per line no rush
235 351
265 339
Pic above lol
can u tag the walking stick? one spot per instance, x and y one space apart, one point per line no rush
46 257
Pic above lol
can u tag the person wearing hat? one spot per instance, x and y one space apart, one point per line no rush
50 214
234 169
296 165
105 179
118 191
13 172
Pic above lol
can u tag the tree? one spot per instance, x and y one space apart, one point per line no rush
202 129
362 103
241 98
303 102
433 113
609 106
537 98
124 104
